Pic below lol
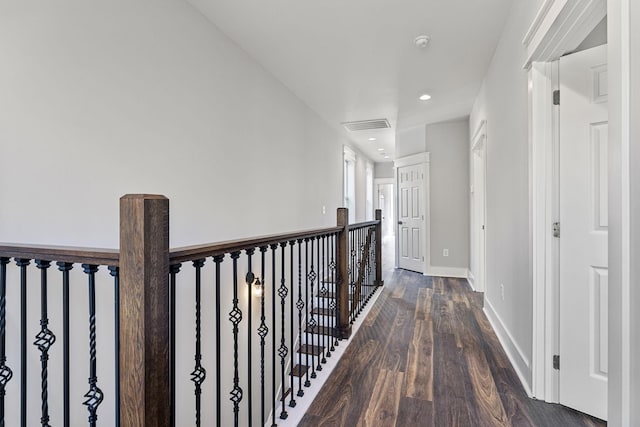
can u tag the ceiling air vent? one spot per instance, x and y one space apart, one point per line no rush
367 125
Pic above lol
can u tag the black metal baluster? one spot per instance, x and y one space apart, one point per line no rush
250 279
44 340
323 294
273 247
115 273
292 401
328 299
319 311
307 383
23 263
352 276
235 316
262 332
174 269
199 373
65 267
335 299
300 305
283 350
312 324
218 260
94 396
5 372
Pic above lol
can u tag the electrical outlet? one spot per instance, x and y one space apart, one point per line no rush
445 252
502 291
324 209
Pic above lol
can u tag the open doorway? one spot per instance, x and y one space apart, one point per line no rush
384 199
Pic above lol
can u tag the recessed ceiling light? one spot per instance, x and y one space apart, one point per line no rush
386 157
372 139
380 149
425 97
422 41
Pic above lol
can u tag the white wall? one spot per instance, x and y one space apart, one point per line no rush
104 98
383 170
503 103
448 147
410 141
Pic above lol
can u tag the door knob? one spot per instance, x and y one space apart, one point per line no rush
399 222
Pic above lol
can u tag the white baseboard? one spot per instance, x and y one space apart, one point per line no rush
471 280
518 359
458 272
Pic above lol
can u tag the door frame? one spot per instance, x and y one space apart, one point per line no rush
558 28
479 251
412 160
377 182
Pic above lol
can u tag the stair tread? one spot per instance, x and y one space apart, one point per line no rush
323 311
310 349
299 370
320 330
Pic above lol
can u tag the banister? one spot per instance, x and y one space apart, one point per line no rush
72 254
189 253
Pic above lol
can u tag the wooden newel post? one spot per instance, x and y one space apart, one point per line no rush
342 282
144 310
379 281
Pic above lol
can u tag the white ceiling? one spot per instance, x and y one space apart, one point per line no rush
355 59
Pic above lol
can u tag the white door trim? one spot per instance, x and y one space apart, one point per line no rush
417 159
479 144
558 28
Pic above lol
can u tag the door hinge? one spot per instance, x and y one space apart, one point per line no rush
556 361
556 229
556 97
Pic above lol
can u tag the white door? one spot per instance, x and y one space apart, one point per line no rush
411 217
584 231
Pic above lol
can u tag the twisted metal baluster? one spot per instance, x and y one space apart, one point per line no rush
263 330
323 294
307 383
333 305
235 316
23 263
292 401
300 307
65 267
44 340
283 350
5 372
312 324
94 396
318 278
199 373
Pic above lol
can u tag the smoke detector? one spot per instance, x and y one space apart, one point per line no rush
422 41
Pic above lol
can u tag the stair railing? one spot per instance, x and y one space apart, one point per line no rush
267 313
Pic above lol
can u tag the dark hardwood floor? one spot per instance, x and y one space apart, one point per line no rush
426 355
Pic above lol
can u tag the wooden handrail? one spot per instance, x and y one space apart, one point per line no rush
80 255
190 253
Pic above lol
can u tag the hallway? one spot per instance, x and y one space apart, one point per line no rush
427 356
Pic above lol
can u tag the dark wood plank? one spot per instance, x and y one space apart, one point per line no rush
415 412
385 399
449 398
419 371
